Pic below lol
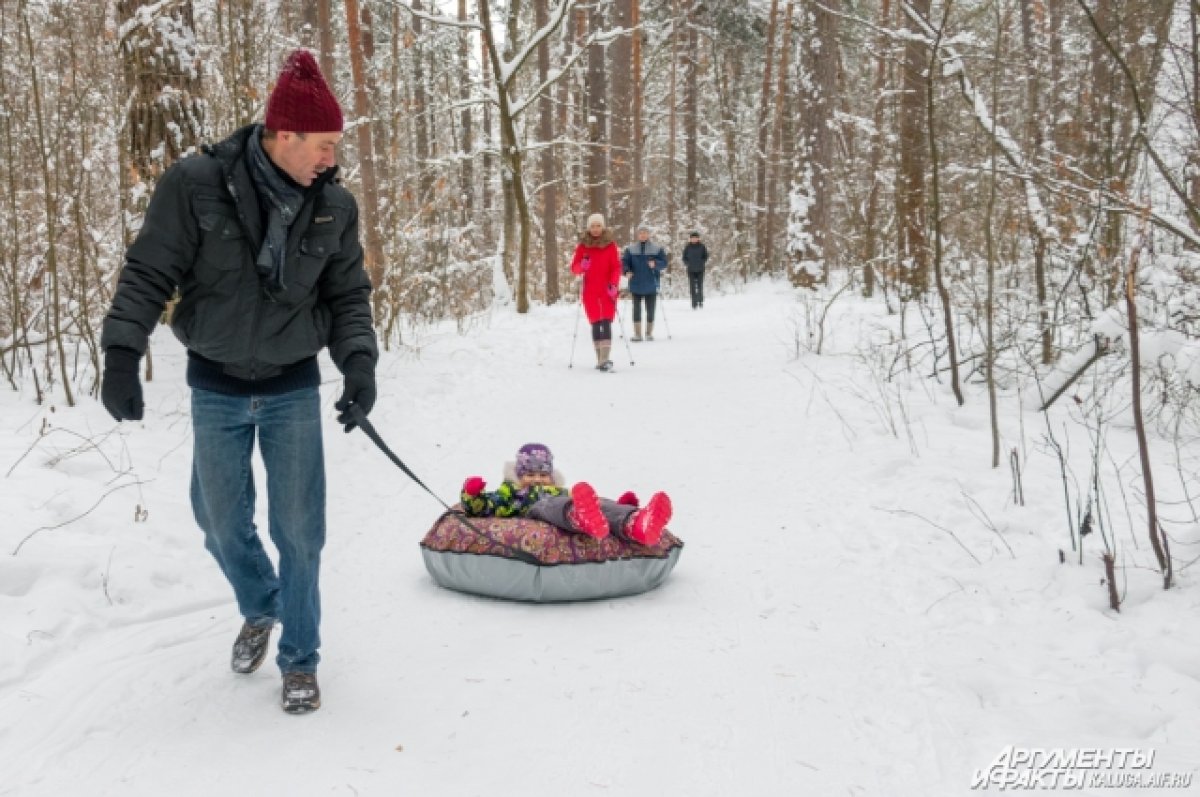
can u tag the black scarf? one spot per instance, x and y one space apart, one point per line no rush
283 201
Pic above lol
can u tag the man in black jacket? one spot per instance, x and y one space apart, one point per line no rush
262 245
695 256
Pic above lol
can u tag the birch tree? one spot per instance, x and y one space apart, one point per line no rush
510 108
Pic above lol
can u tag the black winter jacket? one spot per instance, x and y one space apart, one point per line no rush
202 233
694 257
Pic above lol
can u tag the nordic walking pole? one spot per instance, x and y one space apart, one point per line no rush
663 307
621 325
575 337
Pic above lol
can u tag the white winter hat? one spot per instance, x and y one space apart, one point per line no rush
595 218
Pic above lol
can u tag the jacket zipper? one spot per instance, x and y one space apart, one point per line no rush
258 293
261 291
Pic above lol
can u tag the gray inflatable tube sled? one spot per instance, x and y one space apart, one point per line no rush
528 560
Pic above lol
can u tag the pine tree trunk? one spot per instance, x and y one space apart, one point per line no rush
466 179
235 20
764 142
597 92
912 250
579 123
514 265
814 251
381 131
637 188
673 122
621 123
488 142
1194 109
373 254
824 145
421 118
691 117
726 75
1033 37
779 138
325 22
550 253
875 160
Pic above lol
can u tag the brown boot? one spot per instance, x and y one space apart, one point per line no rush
637 331
300 692
250 647
603 363
650 330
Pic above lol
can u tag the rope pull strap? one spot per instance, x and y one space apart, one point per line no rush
361 419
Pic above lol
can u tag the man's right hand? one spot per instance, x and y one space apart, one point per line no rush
120 388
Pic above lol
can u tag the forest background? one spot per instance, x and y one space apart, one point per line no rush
1017 180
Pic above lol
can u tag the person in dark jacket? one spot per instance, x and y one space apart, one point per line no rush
263 247
695 256
644 262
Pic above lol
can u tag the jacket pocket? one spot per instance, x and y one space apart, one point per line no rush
222 252
315 251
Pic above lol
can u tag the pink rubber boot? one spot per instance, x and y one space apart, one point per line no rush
585 513
646 525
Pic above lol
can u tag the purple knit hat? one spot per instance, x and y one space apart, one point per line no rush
534 458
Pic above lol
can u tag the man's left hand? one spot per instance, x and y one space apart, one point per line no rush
359 389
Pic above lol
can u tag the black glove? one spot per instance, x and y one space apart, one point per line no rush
120 389
359 391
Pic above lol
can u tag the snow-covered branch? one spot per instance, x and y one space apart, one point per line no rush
602 37
438 19
510 68
953 66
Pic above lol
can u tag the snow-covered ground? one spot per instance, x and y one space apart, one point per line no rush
843 620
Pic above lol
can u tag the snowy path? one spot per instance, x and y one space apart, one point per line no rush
817 637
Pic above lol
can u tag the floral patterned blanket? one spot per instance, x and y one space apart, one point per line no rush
547 544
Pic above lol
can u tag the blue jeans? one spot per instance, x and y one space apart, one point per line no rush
289 439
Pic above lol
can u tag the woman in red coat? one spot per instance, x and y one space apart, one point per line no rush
598 260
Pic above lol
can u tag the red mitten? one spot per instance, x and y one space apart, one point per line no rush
474 485
613 292
628 498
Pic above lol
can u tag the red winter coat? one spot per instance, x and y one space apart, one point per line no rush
598 260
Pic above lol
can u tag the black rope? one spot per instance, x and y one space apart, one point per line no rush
361 420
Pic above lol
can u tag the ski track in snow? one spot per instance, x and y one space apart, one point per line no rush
820 635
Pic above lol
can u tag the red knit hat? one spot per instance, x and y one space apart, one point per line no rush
302 101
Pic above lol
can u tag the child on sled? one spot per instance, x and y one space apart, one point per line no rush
533 488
